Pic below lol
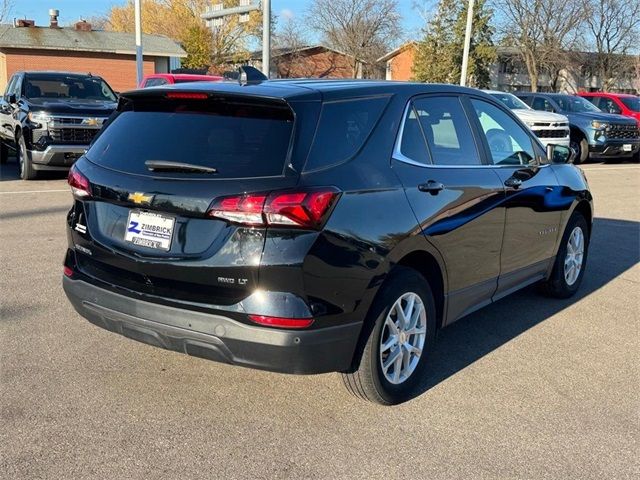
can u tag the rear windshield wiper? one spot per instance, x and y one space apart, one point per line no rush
166 166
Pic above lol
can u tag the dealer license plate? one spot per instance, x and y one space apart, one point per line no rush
148 229
626 147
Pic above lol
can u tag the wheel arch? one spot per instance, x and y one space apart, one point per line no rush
427 265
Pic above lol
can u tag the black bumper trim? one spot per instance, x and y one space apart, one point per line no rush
216 337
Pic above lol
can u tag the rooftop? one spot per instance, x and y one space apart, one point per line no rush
68 38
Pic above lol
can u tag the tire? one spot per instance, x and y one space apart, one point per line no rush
4 153
581 147
25 167
366 379
562 284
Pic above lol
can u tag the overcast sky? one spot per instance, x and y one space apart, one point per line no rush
73 10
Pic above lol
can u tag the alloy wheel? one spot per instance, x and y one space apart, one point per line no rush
574 257
402 338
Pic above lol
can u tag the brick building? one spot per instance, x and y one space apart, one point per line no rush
110 55
314 61
508 73
399 62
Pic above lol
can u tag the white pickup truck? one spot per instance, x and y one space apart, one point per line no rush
550 128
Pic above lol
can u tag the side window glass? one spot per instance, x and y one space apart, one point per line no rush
543 104
154 82
508 142
412 144
447 131
343 129
610 106
15 88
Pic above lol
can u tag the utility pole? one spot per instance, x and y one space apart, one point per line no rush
266 36
138 21
467 45
214 17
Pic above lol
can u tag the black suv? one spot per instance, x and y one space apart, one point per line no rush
312 226
50 118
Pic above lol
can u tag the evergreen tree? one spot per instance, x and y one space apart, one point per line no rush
439 53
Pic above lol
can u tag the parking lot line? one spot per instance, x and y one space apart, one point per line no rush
35 191
596 168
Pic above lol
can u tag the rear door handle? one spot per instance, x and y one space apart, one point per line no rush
513 182
432 187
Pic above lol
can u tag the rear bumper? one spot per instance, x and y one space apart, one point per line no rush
215 337
56 157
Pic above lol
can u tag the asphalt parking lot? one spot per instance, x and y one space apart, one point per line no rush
529 387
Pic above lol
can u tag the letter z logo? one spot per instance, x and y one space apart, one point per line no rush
133 227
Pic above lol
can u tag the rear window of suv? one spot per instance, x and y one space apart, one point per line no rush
236 137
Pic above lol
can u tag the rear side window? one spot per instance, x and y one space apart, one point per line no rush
447 131
412 143
343 128
237 138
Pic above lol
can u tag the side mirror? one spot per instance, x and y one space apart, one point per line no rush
11 99
560 154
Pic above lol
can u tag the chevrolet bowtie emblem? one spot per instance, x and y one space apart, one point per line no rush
139 197
91 122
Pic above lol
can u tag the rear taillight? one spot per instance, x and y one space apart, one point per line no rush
68 271
281 322
297 209
79 183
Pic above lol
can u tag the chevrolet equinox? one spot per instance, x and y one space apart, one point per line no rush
310 226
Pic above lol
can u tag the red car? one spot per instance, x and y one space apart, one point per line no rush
620 103
171 78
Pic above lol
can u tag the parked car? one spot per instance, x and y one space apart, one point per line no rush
158 79
618 103
594 134
309 226
550 128
50 118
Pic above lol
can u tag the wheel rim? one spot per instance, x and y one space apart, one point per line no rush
575 255
402 338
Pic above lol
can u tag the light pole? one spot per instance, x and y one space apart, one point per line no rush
214 17
266 36
467 45
138 21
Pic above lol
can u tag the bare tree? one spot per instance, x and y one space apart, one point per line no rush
363 29
613 32
289 40
541 30
6 6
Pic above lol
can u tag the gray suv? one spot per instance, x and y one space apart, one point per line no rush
594 133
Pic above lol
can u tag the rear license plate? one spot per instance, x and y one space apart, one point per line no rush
626 147
149 230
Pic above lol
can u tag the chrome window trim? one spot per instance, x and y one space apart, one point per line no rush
400 157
